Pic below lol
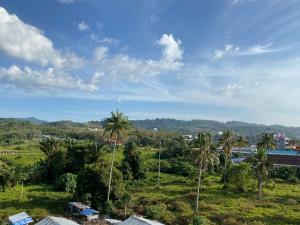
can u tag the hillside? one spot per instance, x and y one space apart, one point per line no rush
194 126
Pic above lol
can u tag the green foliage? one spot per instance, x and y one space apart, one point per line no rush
198 220
177 147
7 176
66 182
132 164
241 177
284 172
93 179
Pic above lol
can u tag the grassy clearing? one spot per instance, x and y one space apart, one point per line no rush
37 200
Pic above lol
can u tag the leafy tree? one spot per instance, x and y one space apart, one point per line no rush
93 180
284 172
176 147
198 220
262 168
7 176
49 147
241 142
117 126
132 164
66 182
241 176
227 141
204 158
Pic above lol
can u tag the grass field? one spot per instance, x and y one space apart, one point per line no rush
175 198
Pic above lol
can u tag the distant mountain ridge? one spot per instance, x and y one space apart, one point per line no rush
181 126
194 126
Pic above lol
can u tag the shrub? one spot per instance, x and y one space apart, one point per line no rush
198 220
293 180
240 177
66 182
284 172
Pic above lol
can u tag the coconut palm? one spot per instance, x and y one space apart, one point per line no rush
241 142
117 126
262 168
49 147
227 141
267 141
204 157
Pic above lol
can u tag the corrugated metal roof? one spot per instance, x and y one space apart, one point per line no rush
52 220
113 221
20 218
136 220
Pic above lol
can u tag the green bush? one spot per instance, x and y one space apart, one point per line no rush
284 172
66 182
241 177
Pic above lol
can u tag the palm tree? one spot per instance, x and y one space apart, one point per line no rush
117 126
241 142
267 141
262 168
205 157
227 141
49 148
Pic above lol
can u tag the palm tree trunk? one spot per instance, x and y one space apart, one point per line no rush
111 170
260 188
198 189
225 171
125 209
158 179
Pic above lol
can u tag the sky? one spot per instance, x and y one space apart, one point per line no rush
81 59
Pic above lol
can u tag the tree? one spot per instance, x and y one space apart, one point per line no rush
267 141
49 148
117 126
227 141
7 176
241 142
204 158
262 168
66 182
132 164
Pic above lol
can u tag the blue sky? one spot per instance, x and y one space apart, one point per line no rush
221 60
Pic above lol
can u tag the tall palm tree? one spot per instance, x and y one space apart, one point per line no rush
241 142
267 141
204 158
227 141
262 168
117 126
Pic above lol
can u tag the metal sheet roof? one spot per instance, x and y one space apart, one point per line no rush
52 220
20 219
136 220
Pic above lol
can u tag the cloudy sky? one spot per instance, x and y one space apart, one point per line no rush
221 60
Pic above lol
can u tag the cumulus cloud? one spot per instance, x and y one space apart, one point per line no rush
24 41
122 66
48 79
83 26
228 49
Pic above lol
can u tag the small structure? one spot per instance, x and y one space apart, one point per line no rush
20 219
113 221
52 220
79 209
137 220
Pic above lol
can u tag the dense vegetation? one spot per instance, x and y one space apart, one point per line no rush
156 174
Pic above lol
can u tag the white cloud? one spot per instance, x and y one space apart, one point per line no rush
231 50
24 41
172 51
122 66
100 53
48 79
228 49
66 1
82 26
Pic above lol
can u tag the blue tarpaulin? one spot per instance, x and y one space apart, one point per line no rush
87 212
